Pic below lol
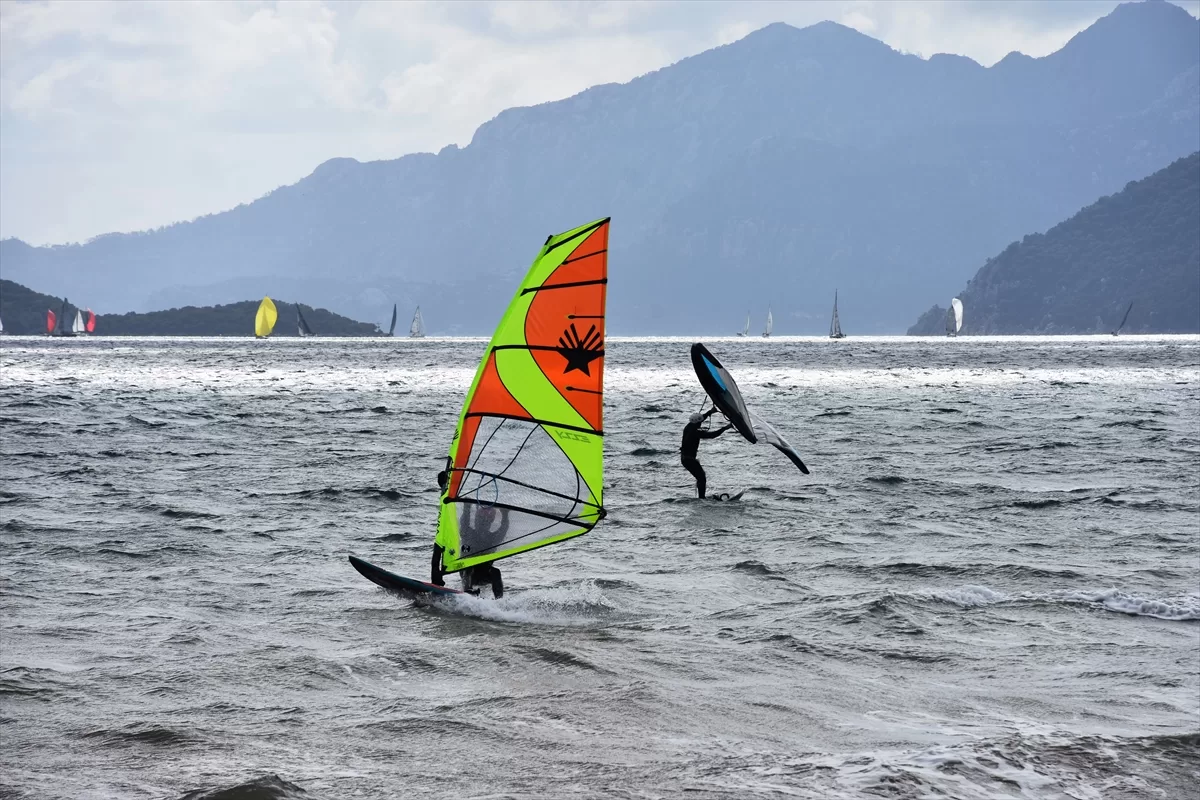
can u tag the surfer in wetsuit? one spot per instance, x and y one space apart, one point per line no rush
477 534
692 434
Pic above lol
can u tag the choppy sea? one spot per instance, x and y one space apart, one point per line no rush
988 587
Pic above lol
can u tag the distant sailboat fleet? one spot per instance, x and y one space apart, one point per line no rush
82 324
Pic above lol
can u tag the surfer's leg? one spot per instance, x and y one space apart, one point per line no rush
435 568
497 584
693 466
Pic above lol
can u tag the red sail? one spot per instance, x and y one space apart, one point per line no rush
91 321
50 319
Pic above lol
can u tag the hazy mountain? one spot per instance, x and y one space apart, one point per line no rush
23 311
1139 246
770 170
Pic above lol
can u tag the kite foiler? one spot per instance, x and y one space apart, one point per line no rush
722 389
525 468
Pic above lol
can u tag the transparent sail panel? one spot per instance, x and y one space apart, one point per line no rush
518 489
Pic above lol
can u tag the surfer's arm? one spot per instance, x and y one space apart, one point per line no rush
714 434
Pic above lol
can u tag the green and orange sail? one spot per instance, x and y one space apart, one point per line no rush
526 462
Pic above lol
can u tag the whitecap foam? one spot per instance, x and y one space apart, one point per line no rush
576 605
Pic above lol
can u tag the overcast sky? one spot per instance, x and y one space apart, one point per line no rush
122 116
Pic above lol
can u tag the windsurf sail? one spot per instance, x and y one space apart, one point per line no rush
264 320
302 323
835 325
51 321
91 321
724 392
417 329
1122 325
954 317
770 323
392 327
77 325
526 461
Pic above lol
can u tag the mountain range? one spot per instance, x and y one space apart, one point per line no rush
769 171
1140 246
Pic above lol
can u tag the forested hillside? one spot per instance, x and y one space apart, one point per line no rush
23 311
1140 246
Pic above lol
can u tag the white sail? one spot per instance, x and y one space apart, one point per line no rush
745 331
77 325
835 325
956 304
770 323
417 329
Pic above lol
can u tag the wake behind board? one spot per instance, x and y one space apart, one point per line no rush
398 583
727 497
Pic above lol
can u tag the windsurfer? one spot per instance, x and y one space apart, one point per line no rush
692 434
476 532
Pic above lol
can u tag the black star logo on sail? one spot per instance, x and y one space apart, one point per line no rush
578 352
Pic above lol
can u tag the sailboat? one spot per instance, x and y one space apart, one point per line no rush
417 329
1117 330
835 325
745 331
77 326
264 319
770 323
302 323
954 317
56 324
91 321
525 468
392 327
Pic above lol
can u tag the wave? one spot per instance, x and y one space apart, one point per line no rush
266 787
142 734
1017 766
759 569
1175 609
145 422
649 451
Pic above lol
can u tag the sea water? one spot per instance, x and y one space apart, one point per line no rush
987 587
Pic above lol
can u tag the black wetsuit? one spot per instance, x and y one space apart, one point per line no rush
692 434
475 525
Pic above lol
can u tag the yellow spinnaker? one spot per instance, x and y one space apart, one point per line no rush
264 320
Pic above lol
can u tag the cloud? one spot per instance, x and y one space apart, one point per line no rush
118 115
